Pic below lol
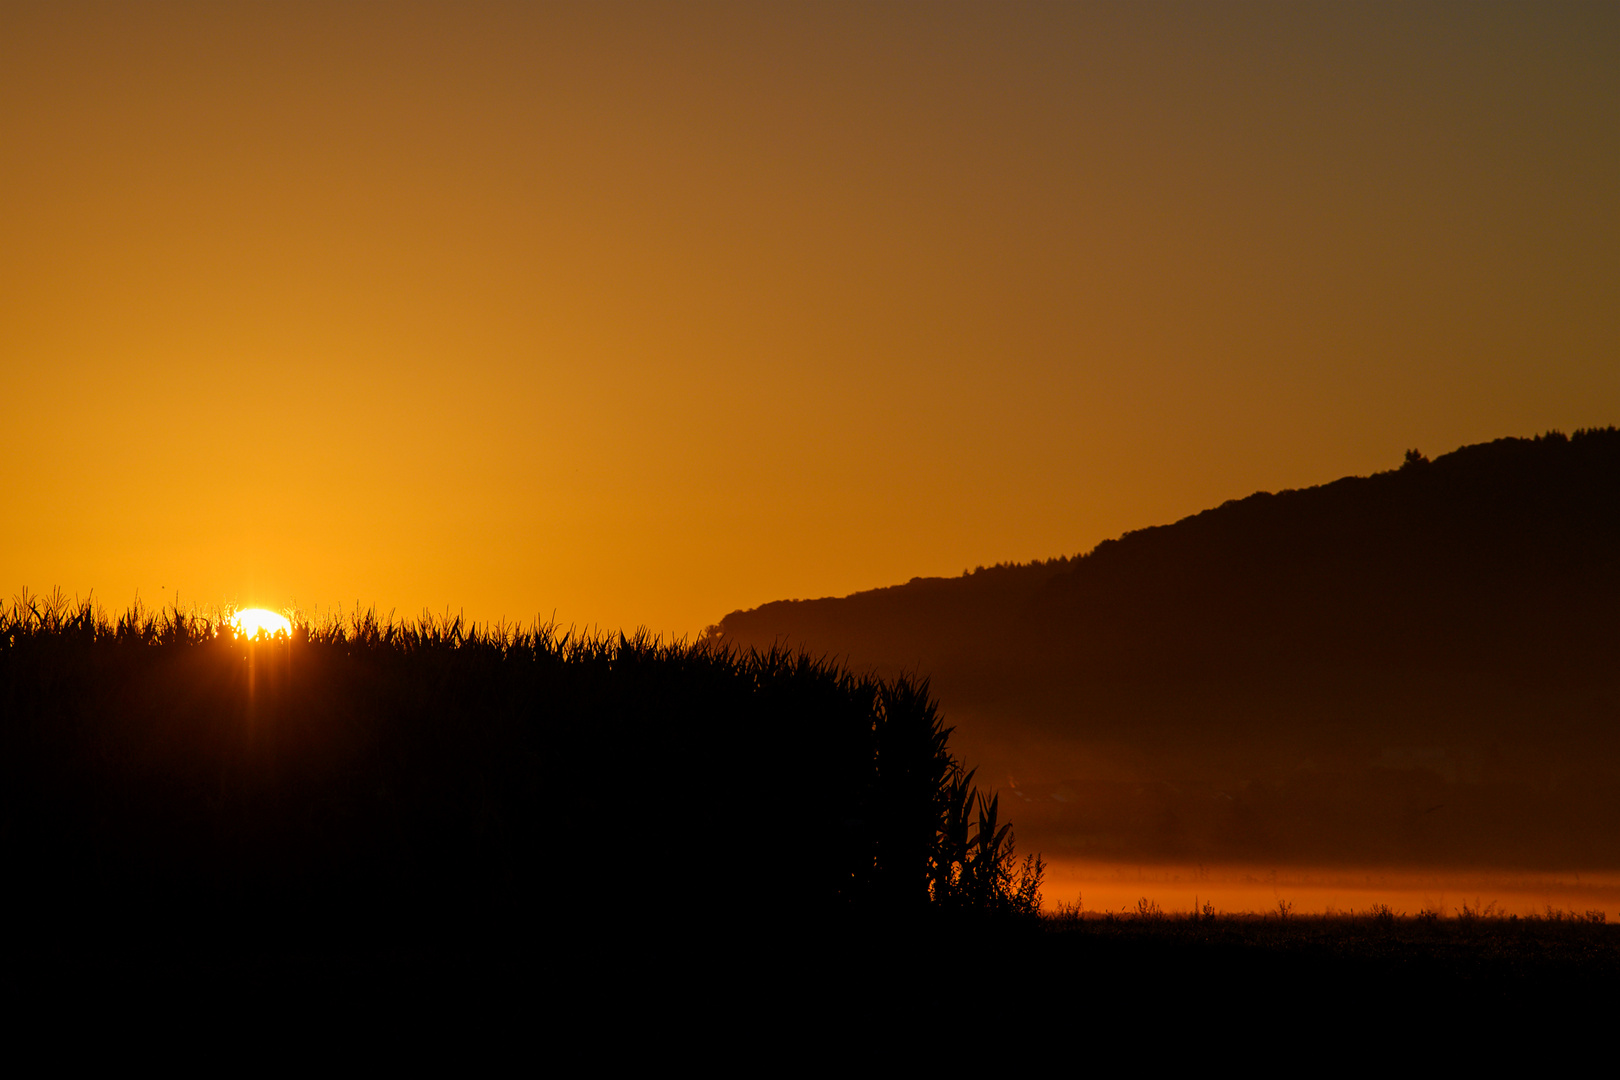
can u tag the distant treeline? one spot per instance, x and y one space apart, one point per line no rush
1419 664
159 774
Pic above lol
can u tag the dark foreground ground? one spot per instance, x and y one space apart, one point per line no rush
1140 981
1486 961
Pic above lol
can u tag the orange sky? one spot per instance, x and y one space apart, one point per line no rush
643 314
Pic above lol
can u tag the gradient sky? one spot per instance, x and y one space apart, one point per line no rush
643 314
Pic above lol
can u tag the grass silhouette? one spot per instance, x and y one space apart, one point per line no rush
163 778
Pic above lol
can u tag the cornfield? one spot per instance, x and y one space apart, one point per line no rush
158 771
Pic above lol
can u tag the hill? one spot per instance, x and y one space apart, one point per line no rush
1417 665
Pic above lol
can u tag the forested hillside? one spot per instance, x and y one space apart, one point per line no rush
1417 664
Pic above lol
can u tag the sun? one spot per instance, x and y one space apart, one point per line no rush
249 621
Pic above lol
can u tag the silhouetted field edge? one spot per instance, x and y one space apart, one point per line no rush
430 780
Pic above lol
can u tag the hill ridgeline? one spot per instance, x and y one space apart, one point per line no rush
1419 665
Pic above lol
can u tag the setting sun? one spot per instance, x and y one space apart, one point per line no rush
250 621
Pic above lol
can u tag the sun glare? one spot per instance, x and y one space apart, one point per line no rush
250 621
